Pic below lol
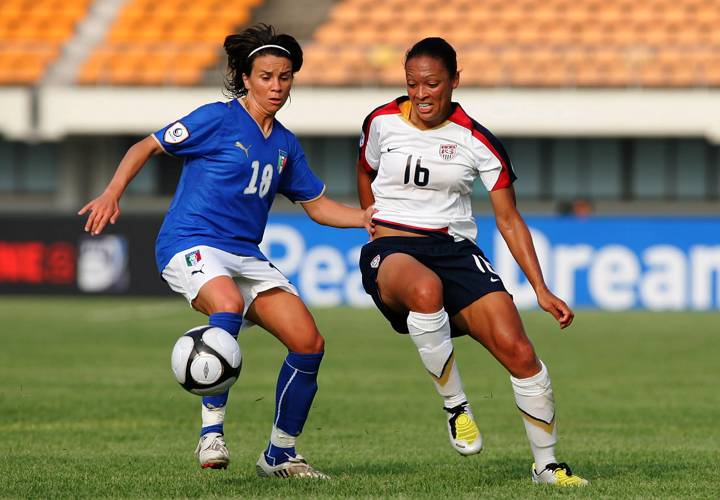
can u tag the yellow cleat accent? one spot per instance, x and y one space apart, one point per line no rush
464 434
466 428
558 475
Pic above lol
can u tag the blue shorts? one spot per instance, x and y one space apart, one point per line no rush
465 273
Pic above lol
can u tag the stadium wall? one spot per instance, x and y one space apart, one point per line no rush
611 263
52 113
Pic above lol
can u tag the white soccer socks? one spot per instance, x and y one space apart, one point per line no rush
431 335
534 398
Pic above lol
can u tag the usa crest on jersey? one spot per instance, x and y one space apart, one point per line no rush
448 151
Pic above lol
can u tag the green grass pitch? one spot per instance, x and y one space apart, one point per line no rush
89 407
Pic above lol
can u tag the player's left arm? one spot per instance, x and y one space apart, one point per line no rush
516 234
329 212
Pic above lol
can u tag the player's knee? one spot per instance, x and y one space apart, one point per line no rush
524 361
228 305
308 344
425 296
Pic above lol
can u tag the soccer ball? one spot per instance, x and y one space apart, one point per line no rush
206 360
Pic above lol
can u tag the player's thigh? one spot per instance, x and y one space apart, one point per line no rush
493 320
285 316
405 284
220 294
203 275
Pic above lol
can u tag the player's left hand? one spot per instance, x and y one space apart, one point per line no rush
555 306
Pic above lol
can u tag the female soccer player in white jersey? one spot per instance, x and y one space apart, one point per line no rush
237 158
419 157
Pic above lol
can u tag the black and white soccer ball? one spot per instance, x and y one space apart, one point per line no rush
206 360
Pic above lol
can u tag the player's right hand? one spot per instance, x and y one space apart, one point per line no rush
103 209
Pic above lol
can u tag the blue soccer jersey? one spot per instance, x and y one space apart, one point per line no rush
229 180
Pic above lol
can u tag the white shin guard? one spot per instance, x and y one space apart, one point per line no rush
431 335
534 398
281 439
212 416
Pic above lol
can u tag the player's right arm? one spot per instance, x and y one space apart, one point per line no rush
106 207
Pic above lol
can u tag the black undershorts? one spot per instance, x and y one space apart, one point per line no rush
465 273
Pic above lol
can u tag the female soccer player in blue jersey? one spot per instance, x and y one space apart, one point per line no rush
419 157
237 158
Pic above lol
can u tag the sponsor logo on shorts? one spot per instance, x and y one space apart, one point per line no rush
448 151
375 262
176 133
193 258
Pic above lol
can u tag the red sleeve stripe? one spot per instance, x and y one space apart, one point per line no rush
366 165
507 174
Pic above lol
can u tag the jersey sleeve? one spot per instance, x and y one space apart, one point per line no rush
297 182
369 156
493 162
192 135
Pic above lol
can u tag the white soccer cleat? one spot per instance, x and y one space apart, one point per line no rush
295 467
211 451
558 475
464 434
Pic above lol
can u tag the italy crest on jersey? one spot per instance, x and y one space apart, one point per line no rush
447 151
282 160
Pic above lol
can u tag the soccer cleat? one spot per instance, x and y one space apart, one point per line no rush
464 434
559 475
211 451
295 467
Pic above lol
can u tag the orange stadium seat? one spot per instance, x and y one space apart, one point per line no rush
31 34
173 43
572 43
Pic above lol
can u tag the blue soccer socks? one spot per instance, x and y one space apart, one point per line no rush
296 388
230 322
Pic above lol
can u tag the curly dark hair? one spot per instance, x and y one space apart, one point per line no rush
239 46
437 48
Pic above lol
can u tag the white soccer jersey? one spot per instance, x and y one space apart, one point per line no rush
424 178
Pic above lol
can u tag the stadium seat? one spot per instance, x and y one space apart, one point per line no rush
170 44
530 43
609 43
31 34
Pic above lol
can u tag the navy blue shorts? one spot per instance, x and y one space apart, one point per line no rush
465 273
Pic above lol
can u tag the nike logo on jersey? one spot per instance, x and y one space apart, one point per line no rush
494 280
240 145
392 149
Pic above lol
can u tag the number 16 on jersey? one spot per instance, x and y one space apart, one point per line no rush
421 177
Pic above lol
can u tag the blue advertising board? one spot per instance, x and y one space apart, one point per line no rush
612 263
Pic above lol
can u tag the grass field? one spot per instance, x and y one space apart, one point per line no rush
89 408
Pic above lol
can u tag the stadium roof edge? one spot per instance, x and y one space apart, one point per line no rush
61 111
